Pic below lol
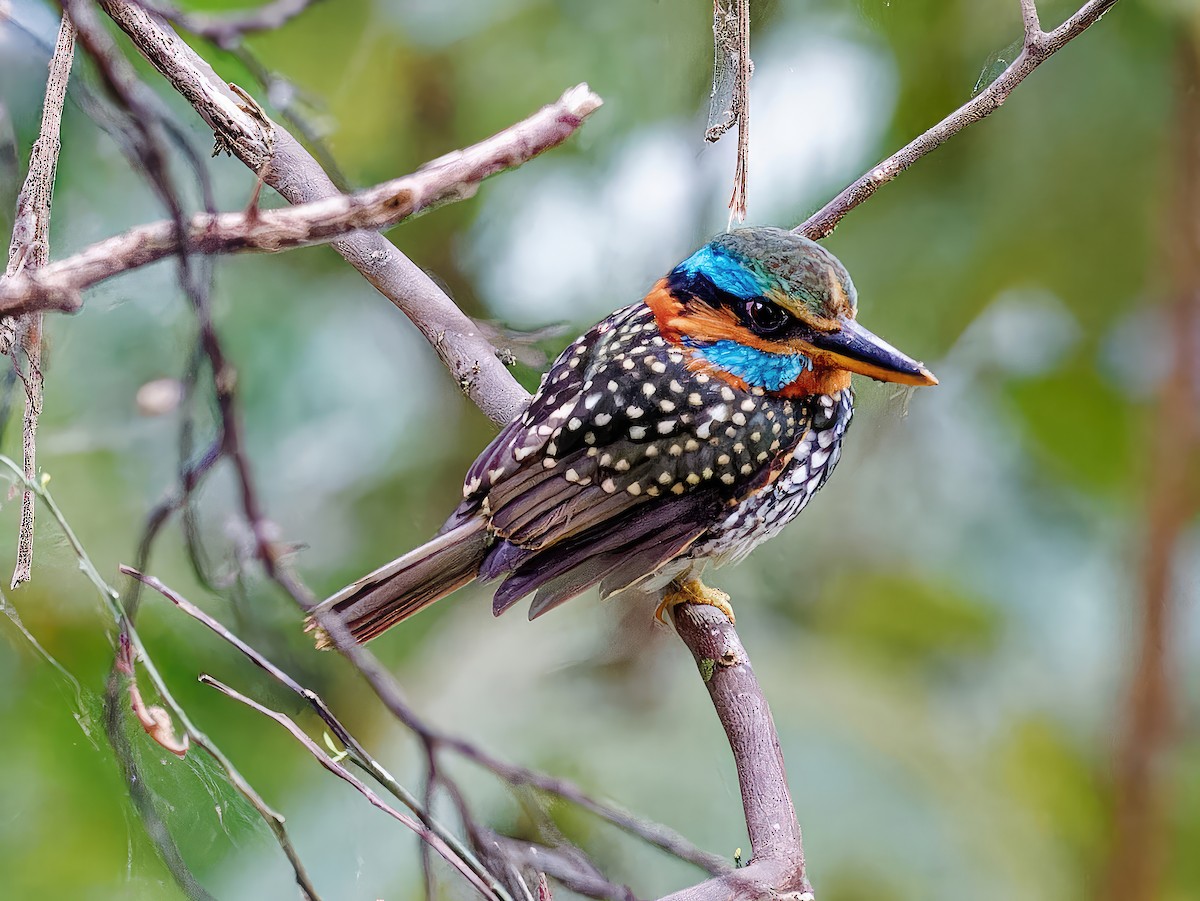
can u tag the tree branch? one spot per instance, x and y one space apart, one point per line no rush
453 177
291 170
361 787
28 252
353 747
1038 46
130 652
776 867
226 29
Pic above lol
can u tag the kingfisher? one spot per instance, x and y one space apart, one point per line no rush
681 431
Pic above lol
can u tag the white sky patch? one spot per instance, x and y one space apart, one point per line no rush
439 23
579 239
818 104
1025 332
567 245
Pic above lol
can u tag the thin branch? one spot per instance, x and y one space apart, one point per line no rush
136 652
737 202
361 787
226 29
388 690
730 101
1033 25
291 170
1038 47
355 750
28 252
562 865
453 177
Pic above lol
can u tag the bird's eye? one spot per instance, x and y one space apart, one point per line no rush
764 317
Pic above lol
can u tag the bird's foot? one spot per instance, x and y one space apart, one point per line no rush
693 591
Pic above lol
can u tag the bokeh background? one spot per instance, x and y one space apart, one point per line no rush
947 636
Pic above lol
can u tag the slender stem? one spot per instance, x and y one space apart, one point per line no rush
361 787
453 177
28 252
139 654
1038 47
355 750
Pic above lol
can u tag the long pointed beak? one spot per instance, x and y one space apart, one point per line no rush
855 349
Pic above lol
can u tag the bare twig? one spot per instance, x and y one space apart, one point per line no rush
1038 47
226 29
28 252
388 690
737 202
342 773
136 652
561 864
354 749
1149 728
298 177
453 177
730 104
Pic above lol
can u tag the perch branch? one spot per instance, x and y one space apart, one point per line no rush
28 252
1038 46
776 868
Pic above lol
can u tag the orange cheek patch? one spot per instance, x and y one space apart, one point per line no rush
817 381
666 309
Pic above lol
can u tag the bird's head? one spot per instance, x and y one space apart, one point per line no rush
762 307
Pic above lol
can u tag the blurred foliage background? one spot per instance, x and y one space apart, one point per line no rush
947 634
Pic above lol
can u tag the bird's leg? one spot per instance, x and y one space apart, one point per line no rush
693 591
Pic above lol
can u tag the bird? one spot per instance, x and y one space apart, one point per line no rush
679 432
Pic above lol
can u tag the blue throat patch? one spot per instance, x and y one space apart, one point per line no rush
755 367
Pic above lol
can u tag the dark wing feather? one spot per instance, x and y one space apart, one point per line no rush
623 455
660 532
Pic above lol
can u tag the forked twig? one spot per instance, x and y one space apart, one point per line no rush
28 252
1038 46
136 653
431 838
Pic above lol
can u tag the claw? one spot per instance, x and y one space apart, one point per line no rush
693 591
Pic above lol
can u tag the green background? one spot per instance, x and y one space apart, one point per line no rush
945 636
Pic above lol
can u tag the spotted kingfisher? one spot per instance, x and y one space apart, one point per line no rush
683 430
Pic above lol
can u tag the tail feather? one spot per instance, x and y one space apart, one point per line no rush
407 585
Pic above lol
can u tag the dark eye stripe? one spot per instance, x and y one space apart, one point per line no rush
759 314
695 284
